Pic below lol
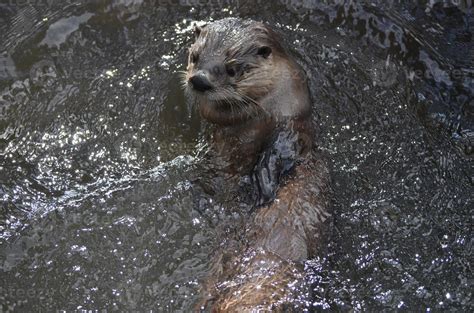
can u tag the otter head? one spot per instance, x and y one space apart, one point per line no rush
230 69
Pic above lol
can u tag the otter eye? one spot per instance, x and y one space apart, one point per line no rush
194 57
264 51
232 68
230 71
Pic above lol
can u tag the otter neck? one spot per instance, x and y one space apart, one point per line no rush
239 146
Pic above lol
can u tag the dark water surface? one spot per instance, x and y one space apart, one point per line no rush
98 150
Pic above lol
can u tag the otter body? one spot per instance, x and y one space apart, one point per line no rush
255 95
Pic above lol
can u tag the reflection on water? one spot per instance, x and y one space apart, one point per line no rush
97 146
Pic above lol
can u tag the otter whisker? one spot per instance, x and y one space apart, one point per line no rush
235 101
245 103
230 99
183 82
255 105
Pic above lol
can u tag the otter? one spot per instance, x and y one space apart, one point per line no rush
255 96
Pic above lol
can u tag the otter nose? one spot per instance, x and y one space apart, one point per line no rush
200 82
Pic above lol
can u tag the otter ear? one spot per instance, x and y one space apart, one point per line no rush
197 30
264 51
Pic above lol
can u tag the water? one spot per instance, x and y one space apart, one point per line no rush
99 151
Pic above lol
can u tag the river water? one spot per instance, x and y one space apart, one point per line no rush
98 149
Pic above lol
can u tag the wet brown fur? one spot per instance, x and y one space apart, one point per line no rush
270 92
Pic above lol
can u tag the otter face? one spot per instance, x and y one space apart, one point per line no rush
230 69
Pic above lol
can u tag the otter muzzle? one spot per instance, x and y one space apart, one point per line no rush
200 82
